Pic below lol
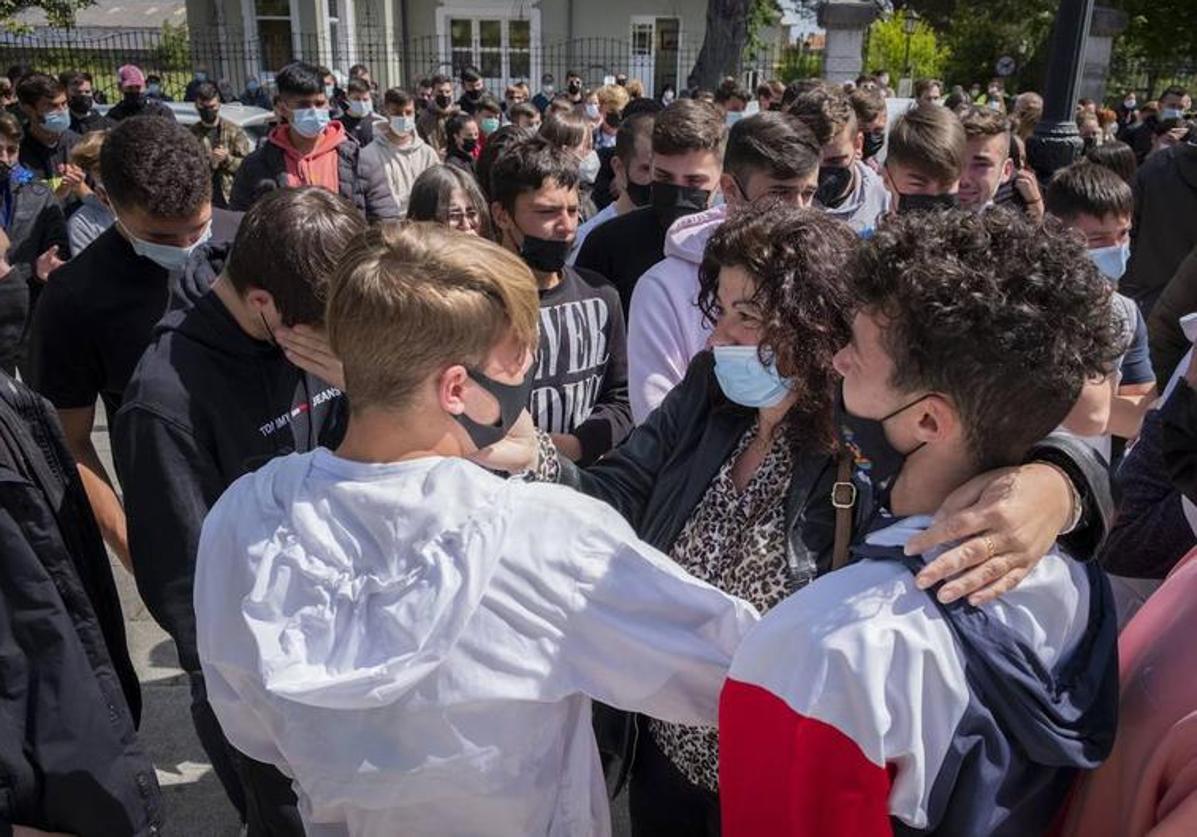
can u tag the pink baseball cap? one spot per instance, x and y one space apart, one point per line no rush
130 76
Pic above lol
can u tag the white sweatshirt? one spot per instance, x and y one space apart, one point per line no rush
665 327
416 644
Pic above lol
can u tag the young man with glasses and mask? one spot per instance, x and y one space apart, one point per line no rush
687 144
237 378
310 148
93 322
580 382
849 190
769 155
862 704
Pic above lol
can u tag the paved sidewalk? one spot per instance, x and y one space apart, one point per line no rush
194 800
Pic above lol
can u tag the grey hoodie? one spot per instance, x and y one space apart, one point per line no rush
401 164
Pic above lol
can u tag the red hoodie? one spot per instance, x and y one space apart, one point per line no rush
319 166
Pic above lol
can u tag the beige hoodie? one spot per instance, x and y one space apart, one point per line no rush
402 163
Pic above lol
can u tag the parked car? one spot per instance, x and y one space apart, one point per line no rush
256 122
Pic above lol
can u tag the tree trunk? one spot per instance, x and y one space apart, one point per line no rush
727 32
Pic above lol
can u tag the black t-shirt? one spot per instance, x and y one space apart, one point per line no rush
581 373
623 248
93 322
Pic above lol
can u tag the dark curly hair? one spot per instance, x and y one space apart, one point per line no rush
1005 318
158 165
801 260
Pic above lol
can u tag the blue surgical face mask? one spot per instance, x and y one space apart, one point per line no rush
403 124
166 255
253 86
747 381
733 116
330 90
56 121
310 122
1112 260
592 111
1172 113
360 108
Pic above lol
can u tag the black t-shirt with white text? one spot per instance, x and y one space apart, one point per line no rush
581 371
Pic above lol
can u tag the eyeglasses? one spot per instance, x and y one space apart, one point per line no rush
457 217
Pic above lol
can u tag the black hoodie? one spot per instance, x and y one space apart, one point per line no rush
206 405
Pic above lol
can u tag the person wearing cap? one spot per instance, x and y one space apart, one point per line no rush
134 102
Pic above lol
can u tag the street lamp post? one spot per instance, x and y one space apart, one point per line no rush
910 25
1056 142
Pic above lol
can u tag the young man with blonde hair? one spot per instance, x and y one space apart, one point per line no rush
414 640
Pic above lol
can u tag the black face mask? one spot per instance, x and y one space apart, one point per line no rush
81 103
443 101
473 95
208 115
612 119
672 202
833 185
873 143
1089 143
513 400
546 255
640 194
926 203
468 145
575 86
5 171
133 98
872 451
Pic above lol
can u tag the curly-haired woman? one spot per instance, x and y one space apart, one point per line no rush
732 475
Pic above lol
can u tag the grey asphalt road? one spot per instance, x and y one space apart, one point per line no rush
194 800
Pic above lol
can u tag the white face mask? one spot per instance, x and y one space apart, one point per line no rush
667 97
592 111
403 124
166 255
360 108
588 168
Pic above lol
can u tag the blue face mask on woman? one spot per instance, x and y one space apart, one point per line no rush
747 381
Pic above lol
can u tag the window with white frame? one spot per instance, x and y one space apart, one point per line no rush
501 48
342 52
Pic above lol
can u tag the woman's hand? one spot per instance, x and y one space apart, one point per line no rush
518 451
1027 185
1002 522
308 348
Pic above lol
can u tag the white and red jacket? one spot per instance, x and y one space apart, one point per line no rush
861 706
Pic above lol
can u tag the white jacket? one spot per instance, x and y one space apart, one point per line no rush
415 643
665 327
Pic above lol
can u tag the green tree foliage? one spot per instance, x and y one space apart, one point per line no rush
59 13
1158 47
174 49
977 38
887 49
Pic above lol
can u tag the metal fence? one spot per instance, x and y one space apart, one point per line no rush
174 54
1149 79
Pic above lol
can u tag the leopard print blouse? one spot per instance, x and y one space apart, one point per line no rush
737 542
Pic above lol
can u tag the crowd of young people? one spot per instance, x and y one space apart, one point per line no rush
485 456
